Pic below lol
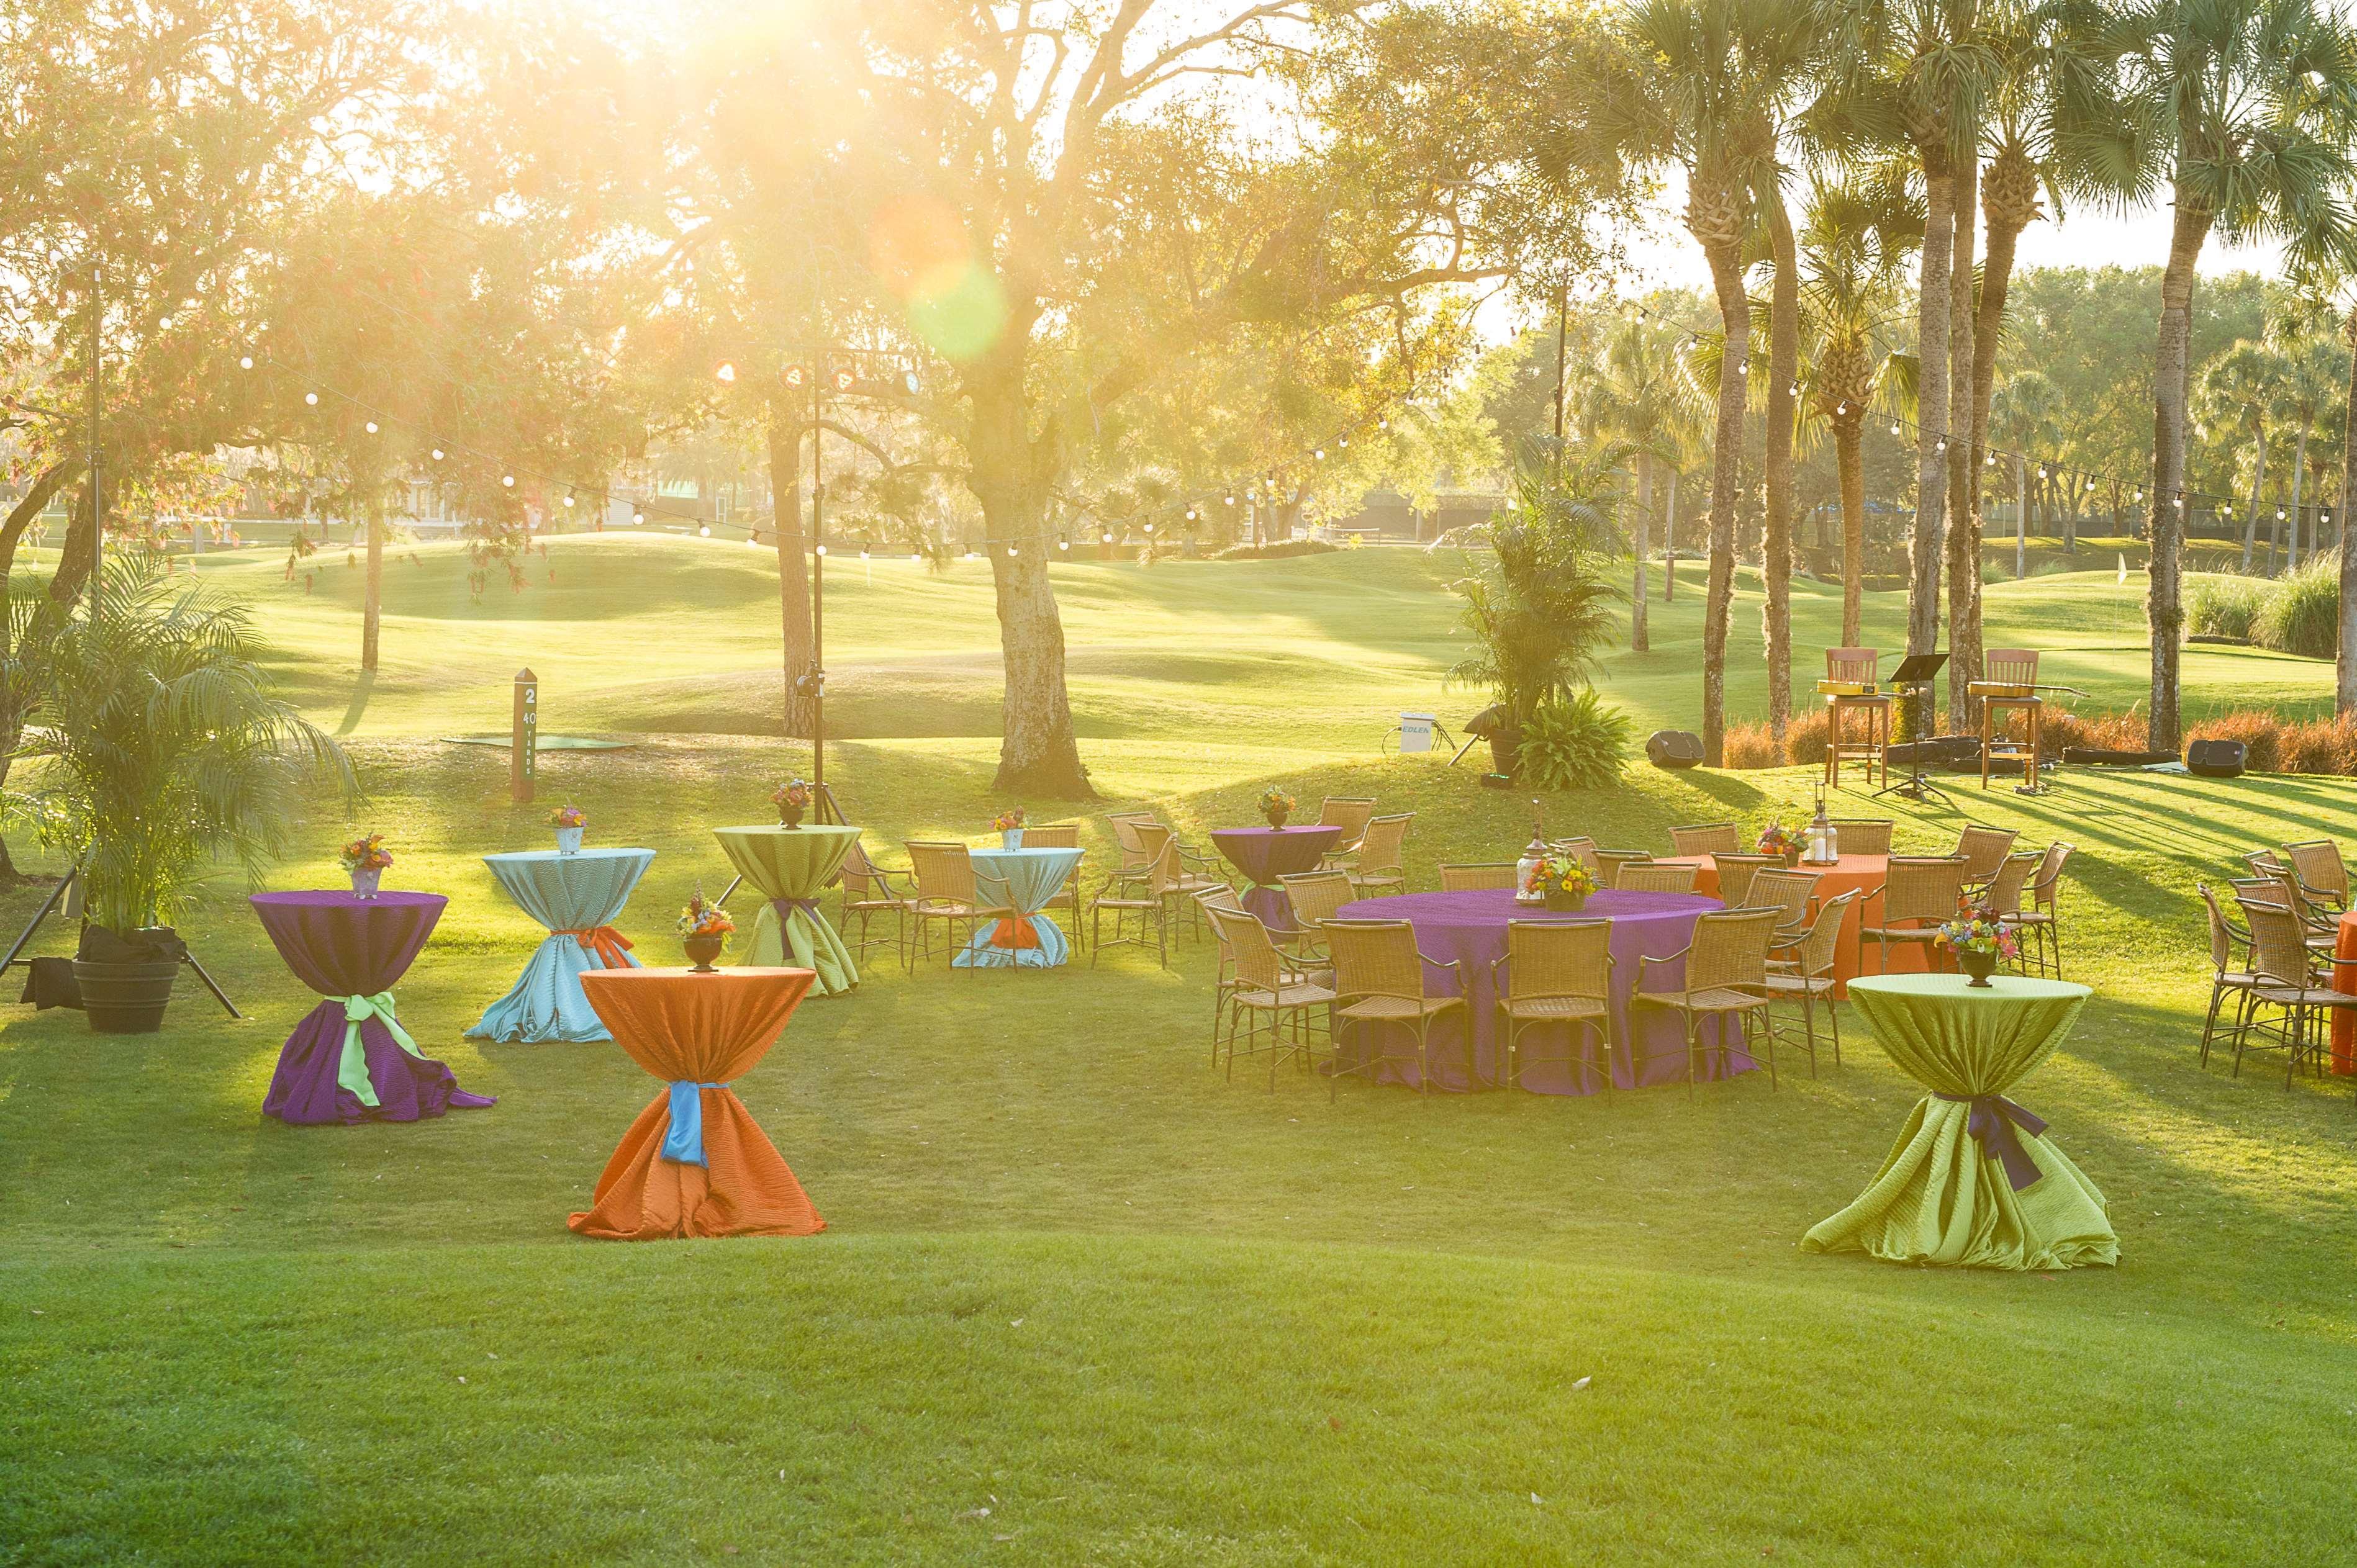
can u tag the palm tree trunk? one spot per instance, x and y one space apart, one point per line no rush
785 434
1726 479
373 584
1935 300
1963 474
1849 459
1670 539
1776 540
2259 487
2172 387
2299 472
1638 544
2345 659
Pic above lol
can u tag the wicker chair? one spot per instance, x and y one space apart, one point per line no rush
1653 877
1736 872
1582 850
2041 917
1482 876
1790 894
2003 896
1147 897
1264 989
1562 973
1181 882
1060 836
2281 965
1379 867
2323 877
1351 813
1315 896
950 891
1864 836
2230 970
1808 977
2323 928
1918 896
1379 982
868 892
1223 901
1983 850
1725 976
1706 838
1610 864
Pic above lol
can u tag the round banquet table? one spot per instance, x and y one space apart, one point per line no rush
790 867
1861 873
695 1163
576 897
350 1059
1471 927
1028 939
1263 855
1973 1181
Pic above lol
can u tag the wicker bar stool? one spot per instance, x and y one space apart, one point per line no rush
1864 836
2014 668
1582 850
1181 881
1610 864
2041 917
1726 977
1316 897
1061 835
1856 666
1146 895
1706 838
1654 876
1379 982
2232 970
1809 978
950 891
1380 867
867 893
1984 849
2283 970
1790 894
1351 813
1919 896
1264 988
1478 876
2323 876
1561 974
1736 872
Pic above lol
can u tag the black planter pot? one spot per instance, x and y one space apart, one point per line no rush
1505 753
126 998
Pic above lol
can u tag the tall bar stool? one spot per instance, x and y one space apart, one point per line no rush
1856 667
2010 675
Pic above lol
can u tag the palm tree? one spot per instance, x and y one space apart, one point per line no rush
2247 104
1854 247
1709 77
2238 393
1638 396
2311 372
2025 416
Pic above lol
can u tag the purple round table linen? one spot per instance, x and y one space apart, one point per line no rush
341 945
1471 927
1263 855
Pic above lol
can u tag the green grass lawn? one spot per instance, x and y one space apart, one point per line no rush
1081 1301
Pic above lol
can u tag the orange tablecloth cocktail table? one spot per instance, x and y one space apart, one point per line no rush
695 1163
1862 874
2344 978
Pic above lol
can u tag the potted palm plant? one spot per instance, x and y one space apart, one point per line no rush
156 749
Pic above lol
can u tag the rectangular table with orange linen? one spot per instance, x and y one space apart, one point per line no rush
695 1163
1863 874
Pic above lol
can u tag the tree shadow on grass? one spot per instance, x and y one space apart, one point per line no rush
362 689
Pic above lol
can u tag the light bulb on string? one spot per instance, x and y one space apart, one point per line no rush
437 454
245 362
1231 498
1063 543
1894 428
507 481
568 500
637 516
1010 553
727 372
1105 538
703 531
818 549
1149 528
312 399
372 427
1319 454
1989 460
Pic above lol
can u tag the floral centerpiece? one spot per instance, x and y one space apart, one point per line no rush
568 822
1980 941
791 797
364 861
1010 823
1777 839
1275 805
1564 883
703 930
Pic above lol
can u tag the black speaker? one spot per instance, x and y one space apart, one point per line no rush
2215 758
1673 749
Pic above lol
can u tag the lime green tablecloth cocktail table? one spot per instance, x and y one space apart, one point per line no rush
790 867
1973 1180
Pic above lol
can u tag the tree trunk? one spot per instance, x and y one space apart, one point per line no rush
1776 464
1639 540
2172 386
1935 300
1670 539
75 553
1012 473
2298 471
1849 458
1726 479
2258 489
793 569
1964 458
373 583
2345 659
13 696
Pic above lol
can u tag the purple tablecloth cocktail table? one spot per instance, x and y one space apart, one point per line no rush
350 1059
1263 855
1471 927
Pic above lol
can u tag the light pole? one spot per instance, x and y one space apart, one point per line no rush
97 450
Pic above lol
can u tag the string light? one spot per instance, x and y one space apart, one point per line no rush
507 481
437 454
727 372
372 427
1107 538
1010 553
1062 543
820 550
312 399
637 516
703 531
569 501
245 362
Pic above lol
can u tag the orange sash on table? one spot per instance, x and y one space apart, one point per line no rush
1015 931
607 943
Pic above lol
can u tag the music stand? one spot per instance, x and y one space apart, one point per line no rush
1918 671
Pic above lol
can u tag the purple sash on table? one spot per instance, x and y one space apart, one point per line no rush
1991 1122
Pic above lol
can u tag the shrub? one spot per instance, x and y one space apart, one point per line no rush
2097 732
1279 550
2261 734
1575 744
2225 606
1805 737
2303 614
1750 746
2319 745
